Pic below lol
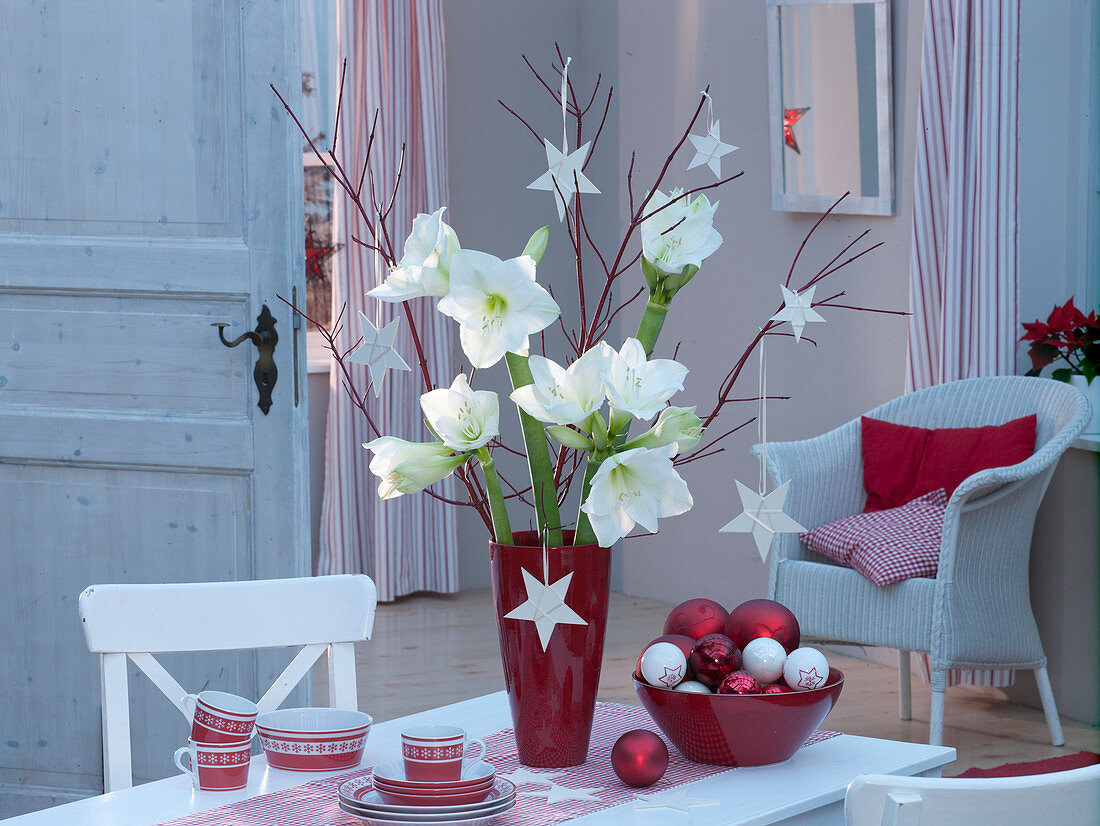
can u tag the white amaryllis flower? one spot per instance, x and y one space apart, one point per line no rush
497 304
464 419
639 386
635 486
681 235
424 269
564 396
409 467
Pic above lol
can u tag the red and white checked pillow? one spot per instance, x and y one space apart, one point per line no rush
888 545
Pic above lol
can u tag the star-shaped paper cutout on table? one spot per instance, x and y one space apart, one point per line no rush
678 800
555 793
809 679
798 309
545 606
377 351
763 517
790 118
523 776
709 150
563 176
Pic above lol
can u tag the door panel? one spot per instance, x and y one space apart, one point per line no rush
150 185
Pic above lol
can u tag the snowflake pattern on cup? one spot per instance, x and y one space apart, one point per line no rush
218 758
202 717
434 752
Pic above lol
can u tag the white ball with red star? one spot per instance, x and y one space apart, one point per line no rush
663 665
806 669
764 658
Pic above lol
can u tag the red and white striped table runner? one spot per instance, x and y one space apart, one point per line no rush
314 804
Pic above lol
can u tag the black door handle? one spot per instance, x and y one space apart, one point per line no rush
265 338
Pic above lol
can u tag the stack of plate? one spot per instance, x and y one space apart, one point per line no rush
388 797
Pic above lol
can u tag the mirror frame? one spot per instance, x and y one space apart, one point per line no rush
783 201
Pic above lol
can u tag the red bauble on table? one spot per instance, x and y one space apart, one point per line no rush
713 657
696 618
639 758
762 618
739 682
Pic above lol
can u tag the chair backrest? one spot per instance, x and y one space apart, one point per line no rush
1069 798
135 621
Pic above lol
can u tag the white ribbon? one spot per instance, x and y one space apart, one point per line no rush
564 124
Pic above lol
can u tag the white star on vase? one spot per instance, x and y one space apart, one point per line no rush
798 310
678 800
523 777
763 517
563 176
709 149
377 351
555 793
545 606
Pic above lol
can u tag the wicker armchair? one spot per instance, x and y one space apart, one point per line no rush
976 613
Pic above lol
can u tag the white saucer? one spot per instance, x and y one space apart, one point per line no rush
503 792
386 819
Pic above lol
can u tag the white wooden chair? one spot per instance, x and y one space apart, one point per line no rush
1070 798
136 621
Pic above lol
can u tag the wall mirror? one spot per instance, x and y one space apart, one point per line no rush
830 105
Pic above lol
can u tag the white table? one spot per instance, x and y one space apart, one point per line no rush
807 789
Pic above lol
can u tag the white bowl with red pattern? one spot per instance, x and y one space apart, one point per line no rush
313 739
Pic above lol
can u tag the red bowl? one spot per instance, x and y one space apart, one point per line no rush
739 729
313 739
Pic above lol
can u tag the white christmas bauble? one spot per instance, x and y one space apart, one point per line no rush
764 659
664 664
692 687
806 668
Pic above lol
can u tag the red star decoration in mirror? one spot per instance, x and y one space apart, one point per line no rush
790 118
315 256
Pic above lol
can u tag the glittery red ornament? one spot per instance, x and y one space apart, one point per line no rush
712 658
763 618
685 644
696 618
639 758
777 688
739 682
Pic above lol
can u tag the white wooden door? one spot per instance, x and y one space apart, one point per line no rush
150 185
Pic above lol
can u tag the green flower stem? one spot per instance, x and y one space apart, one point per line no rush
501 528
649 328
543 490
585 534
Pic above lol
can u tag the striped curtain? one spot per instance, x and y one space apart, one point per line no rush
963 272
395 63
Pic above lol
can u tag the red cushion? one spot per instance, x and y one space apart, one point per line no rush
887 545
901 463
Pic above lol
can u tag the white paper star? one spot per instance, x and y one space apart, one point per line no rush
377 351
555 793
559 177
763 517
709 150
678 800
797 310
523 777
546 606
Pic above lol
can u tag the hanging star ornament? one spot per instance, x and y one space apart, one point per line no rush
798 310
709 149
556 794
790 118
377 351
563 176
545 606
678 801
763 517
316 255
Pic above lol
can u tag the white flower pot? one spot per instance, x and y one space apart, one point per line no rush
1092 392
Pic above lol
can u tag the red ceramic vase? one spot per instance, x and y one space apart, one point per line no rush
552 693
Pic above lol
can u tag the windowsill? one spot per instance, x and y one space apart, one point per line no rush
1091 443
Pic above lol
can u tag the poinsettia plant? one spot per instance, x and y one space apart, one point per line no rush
1069 336
576 413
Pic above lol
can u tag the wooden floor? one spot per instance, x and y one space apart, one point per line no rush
429 650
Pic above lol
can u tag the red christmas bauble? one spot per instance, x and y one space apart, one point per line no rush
777 688
763 618
685 644
639 758
696 618
739 682
712 658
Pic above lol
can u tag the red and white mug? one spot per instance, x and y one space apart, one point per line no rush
216 767
435 753
220 717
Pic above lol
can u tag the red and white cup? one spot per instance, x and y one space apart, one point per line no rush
436 753
220 717
216 767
